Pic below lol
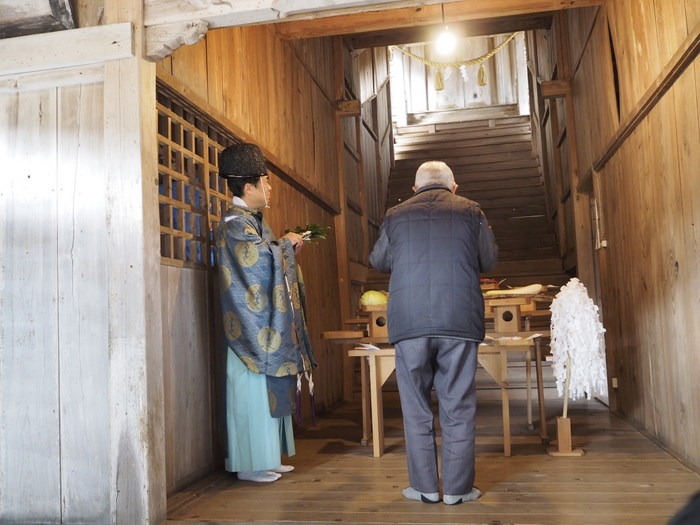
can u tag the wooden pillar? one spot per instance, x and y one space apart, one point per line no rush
581 206
137 455
340 222
81 415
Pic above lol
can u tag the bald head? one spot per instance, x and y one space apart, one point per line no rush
434 172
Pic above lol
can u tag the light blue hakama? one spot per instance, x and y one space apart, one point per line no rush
256 440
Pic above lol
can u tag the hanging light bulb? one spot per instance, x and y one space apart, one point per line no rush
446 41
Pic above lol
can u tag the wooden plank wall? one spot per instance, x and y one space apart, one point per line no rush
384 144
54 325
187 347
552 123
281 95
80 347
648 196
367 161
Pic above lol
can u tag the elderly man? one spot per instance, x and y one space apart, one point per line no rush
435 244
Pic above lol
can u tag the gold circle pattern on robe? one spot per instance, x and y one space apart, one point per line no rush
246 254
232 326
250 364
287 369
269 339
279 298
255 299
225 277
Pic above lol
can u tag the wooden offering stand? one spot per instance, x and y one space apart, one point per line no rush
564 448
377 326
564 427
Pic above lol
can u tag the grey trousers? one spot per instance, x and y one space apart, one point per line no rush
450 366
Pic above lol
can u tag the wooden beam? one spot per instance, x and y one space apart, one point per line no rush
247 12
555 88
348 108
54 78
34 16
63 49
421 15
682 58
462 29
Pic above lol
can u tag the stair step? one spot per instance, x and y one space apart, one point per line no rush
494 164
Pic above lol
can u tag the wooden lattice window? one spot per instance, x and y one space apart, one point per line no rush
192 197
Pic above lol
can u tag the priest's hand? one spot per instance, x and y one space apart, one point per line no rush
296 240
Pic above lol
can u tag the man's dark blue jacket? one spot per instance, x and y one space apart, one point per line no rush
435 245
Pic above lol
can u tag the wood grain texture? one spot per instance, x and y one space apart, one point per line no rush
82 305
76 47
648 269
188 350
29 294
623 475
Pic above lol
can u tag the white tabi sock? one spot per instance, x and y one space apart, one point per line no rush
259 476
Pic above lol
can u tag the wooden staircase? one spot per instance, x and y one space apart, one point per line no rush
494 165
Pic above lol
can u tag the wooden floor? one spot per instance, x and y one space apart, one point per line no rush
623 478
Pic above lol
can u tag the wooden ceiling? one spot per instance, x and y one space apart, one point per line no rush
484 16
370 23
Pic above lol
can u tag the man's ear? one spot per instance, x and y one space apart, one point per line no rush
454 188
414 188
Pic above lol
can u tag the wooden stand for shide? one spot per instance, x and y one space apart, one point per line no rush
563 447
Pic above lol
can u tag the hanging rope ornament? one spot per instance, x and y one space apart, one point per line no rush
440 66
439 80
481 75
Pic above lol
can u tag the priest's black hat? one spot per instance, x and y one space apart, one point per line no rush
242 161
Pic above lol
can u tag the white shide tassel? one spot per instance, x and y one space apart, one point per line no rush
577 343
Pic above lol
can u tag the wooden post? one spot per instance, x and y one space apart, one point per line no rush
564 440
564 425
137 440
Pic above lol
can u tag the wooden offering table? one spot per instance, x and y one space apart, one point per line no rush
375 368
377 365
492 356
372 368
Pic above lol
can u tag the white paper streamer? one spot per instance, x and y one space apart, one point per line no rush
577 336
